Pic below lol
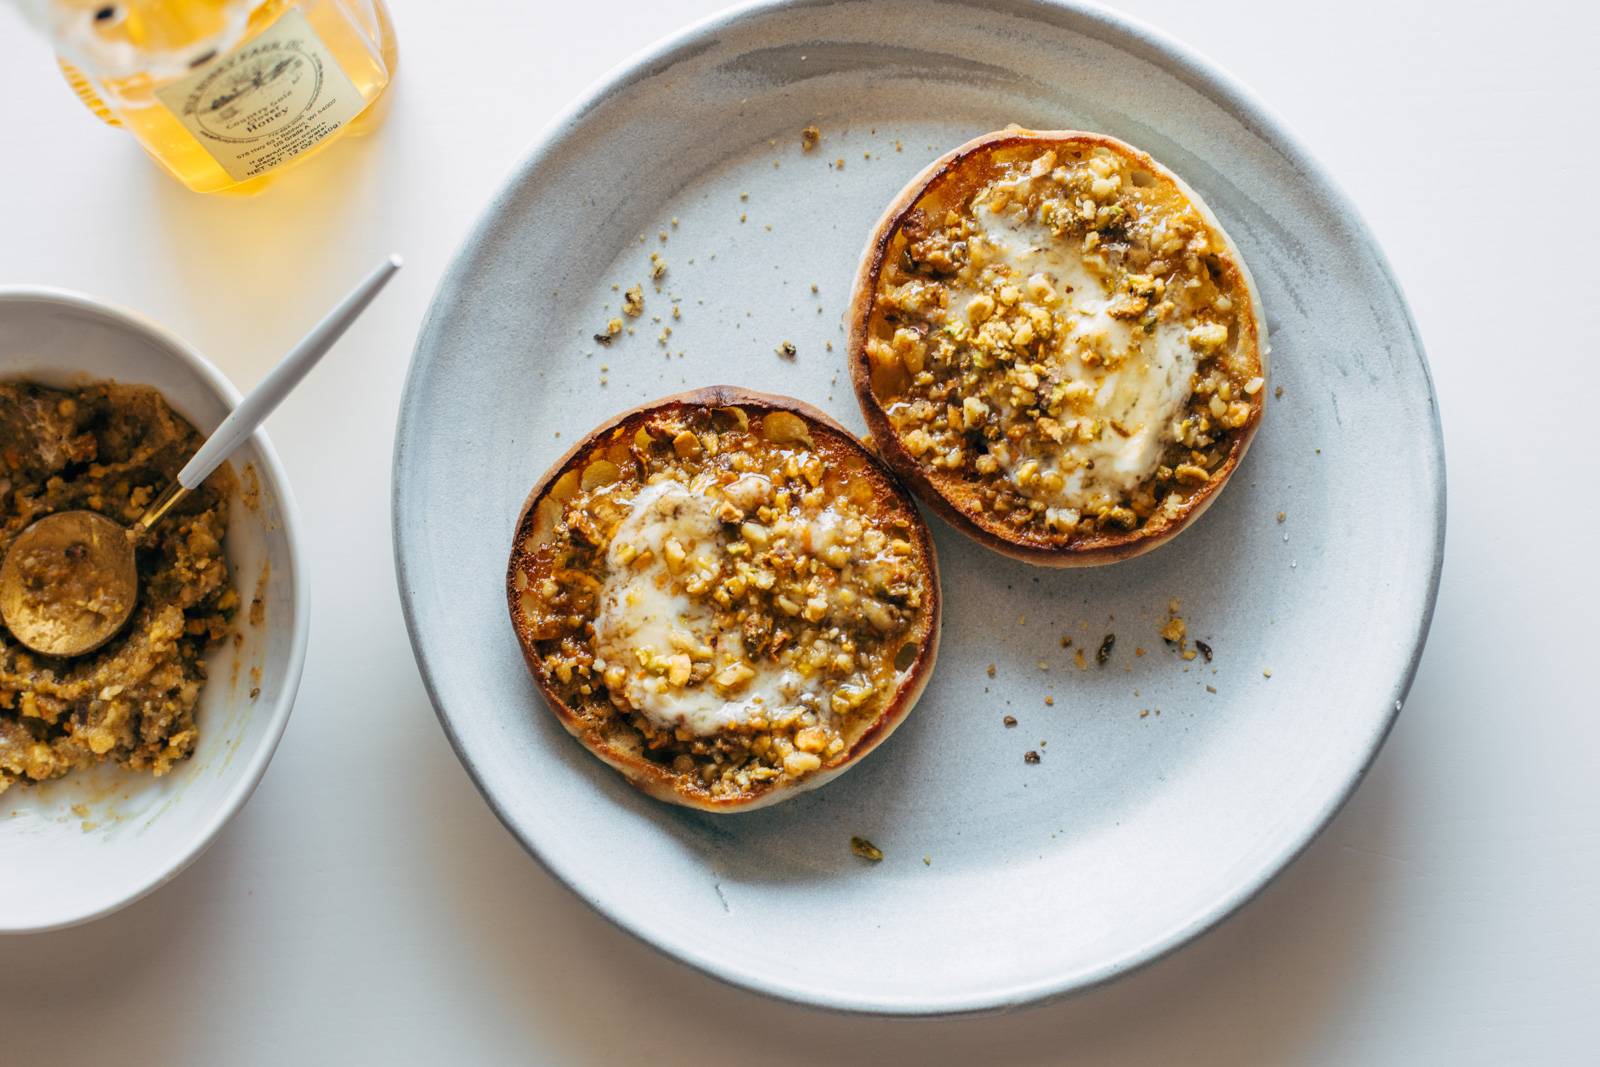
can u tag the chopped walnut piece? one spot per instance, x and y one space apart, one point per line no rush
1102 655
866 849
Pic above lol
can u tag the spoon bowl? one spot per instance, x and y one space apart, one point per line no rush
68 583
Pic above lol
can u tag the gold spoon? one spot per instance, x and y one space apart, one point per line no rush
69 582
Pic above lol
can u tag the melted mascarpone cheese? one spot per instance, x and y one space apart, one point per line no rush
644 616
1144 394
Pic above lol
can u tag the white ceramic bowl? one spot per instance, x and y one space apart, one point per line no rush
83 846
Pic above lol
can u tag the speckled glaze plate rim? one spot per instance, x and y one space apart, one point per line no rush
1226 92
276 479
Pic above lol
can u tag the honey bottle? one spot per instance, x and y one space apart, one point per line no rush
226 94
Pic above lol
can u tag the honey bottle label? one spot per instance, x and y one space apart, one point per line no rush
269 100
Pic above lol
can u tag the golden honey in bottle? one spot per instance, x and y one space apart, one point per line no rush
226 94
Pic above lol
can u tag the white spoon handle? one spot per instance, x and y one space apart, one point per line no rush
281 380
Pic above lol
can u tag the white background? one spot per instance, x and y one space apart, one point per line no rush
367 907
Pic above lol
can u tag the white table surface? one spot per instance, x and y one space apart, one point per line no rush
367 907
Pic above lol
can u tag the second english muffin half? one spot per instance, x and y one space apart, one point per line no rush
1057 346
725 597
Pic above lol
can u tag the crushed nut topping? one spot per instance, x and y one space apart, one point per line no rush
866 849
633 302
744 593
1102 655
1057 340
613 327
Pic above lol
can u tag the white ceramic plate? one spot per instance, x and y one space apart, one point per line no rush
1002 882
92 842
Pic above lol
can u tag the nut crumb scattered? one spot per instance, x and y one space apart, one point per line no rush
787 350
633 302
1030 756
1049 701
1009 721
1205 649
1102 655
809 137
866 849
613 327
1211 689
1282 516
658 266
1266 672
990 670
838 164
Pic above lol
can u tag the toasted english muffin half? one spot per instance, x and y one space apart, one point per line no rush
1057 347
725 596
